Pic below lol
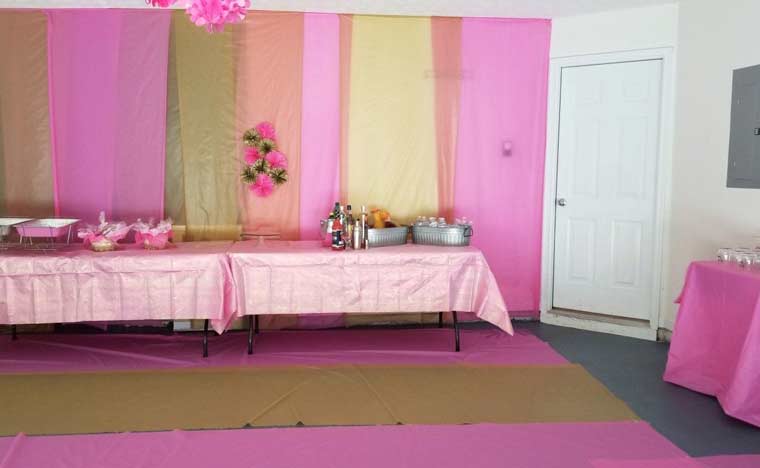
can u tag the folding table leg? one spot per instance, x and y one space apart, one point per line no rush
250 334
440 319
456 330
256 319
205 338
14 335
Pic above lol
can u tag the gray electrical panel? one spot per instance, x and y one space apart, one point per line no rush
744 146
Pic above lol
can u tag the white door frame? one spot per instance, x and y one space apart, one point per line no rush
662 204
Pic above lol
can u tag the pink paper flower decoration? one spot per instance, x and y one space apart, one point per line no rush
251 155
266 130
263 187
161 3
215 14
277 160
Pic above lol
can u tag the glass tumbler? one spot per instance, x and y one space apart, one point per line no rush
724 254
746 259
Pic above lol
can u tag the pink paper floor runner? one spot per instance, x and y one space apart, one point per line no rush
731 461
76 353
479 445
672 462
684 461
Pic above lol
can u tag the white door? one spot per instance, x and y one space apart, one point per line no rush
606 188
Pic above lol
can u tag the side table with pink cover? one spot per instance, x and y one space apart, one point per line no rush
280 277
191 281
715 347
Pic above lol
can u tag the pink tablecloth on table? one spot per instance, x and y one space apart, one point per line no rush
716 341
191 281
280 277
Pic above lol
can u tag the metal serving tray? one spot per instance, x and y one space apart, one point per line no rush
48 227
450 236
6 223
387 236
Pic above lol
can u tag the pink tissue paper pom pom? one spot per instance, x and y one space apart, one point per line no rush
215 14
277 160
251 155
266 130
263 187
161 3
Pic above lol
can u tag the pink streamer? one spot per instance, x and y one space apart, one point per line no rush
320 128
504 85
107 84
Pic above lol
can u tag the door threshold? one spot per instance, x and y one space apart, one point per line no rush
633 328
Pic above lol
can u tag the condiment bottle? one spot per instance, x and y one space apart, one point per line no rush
337 233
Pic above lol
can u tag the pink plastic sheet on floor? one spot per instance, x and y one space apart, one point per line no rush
721 461
677 462
76 353
479 445
731 461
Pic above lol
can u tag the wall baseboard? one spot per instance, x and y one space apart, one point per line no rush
593 322
663 334
525 319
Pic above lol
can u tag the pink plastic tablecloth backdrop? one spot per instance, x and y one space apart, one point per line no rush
191 281
477 445
304 277
716 340
107 85
320 134
320 121
504 88
446 35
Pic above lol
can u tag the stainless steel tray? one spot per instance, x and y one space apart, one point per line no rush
6 223
451 236
387 236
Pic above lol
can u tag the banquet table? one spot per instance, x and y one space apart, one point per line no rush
74 284
303 277
715 348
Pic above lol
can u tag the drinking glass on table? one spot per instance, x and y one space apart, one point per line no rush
745 259
724 254
737 254
754 261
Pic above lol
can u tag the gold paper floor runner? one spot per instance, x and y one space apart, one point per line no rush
286 396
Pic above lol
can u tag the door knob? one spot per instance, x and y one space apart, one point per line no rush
561 202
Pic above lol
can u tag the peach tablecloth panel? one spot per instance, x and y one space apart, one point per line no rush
191 281
280 277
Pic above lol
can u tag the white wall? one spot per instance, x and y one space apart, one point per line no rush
714 39
615 31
